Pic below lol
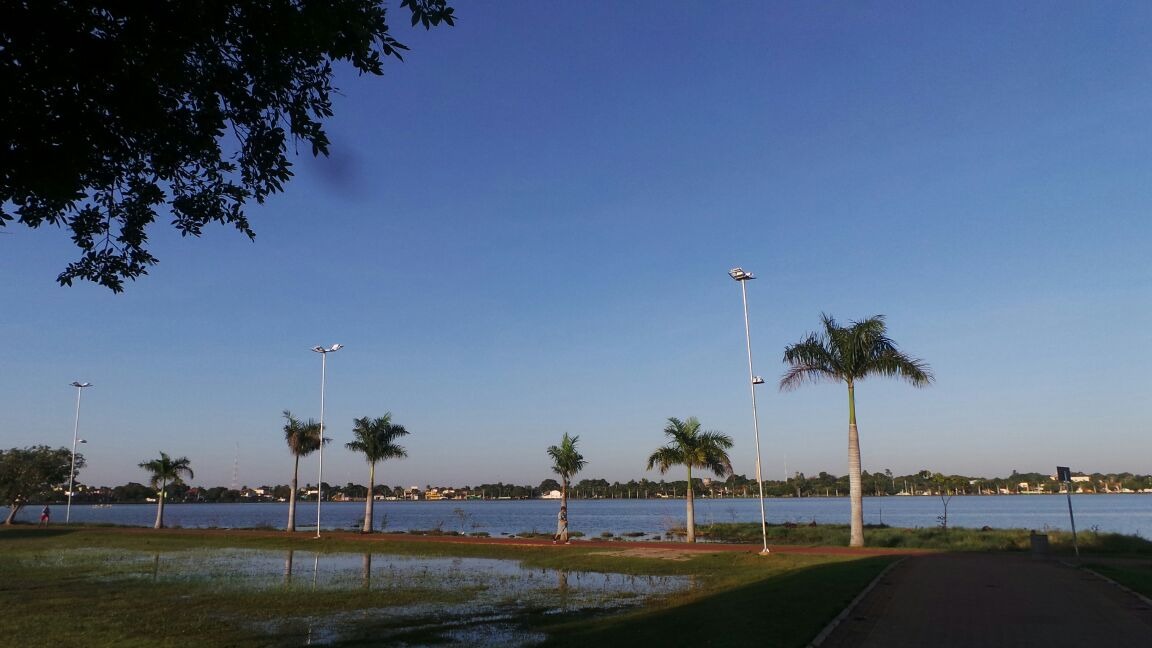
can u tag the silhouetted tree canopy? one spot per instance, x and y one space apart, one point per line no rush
30 473
112 113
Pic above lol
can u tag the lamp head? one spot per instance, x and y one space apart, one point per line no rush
739 274
757 380
76 383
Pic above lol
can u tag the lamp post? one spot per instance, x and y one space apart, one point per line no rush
742 276
75 439
323 378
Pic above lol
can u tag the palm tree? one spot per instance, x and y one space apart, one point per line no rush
566 462
376 438
849 354
690 447
165 470
303 439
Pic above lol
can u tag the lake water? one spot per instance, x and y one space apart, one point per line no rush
1121 513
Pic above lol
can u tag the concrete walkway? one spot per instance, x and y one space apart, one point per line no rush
991 600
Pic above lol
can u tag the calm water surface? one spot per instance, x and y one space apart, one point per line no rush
1125 513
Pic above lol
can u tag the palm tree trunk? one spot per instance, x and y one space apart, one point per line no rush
292 496
691 508
855 494
368 504
160 508
563 507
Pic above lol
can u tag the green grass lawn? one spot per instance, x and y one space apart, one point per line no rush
1135 575
121 587
931 538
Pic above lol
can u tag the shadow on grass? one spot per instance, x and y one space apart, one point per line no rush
789 609
22 532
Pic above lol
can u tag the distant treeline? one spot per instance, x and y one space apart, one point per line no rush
824 484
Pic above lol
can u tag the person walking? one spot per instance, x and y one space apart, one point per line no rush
44 516
561 526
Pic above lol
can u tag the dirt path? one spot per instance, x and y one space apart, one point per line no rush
611 545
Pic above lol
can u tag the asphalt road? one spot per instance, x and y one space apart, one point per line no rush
993 600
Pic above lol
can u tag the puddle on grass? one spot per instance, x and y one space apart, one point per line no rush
501 593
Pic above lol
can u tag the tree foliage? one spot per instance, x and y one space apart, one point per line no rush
31 473
376 438
302 437
114 112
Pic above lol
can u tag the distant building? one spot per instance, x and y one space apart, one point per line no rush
553 494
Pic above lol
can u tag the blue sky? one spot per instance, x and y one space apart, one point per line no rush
525 230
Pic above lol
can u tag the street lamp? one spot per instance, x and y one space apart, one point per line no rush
75 439
742 276
323 377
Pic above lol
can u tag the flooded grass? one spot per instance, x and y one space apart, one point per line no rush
445 600
99 587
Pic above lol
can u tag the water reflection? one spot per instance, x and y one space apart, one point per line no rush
367 570
288 569
562 589
315 571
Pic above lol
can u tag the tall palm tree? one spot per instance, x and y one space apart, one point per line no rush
566 462
848 354
165 470
303 439
376 439
690 447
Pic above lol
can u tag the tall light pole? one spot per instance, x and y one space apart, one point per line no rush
323 378
75 439
742 276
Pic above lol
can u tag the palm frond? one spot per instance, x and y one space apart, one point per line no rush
811 360
566 459
166 469
691 447
849 354
376 438
664 458
303 438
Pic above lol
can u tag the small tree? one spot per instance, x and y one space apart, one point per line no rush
303 439
376 440
944 490
566 462
165 470
28 473
691 448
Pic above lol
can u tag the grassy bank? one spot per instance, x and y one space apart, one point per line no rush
133 587
1135 575
935 538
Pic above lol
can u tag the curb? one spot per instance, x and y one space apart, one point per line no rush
823 636
1143 599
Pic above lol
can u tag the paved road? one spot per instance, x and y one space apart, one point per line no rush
992 600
